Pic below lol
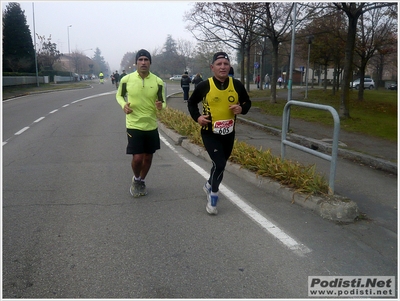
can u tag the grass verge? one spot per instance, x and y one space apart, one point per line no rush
375 116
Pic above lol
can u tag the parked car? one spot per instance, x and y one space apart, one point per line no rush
368 83
176 77
393 87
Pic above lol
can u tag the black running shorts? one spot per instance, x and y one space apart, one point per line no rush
142 142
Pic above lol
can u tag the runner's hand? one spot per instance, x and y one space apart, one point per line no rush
236 109
203 120
127 109
159 104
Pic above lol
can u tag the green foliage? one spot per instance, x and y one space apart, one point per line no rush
18 49
375 116
99 63
47 53
292 174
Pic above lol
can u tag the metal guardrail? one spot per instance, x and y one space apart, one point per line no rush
335 142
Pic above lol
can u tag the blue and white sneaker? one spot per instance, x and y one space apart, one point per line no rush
211 207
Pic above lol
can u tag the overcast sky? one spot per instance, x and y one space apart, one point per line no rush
115 27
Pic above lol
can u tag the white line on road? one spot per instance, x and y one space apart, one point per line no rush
21 131
250 211
66 105
39 119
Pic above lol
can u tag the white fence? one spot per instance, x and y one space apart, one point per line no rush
24 80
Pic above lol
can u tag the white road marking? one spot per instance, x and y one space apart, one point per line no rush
54 111
247 209
39 119
21 131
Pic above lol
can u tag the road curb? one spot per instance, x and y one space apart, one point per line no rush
332 207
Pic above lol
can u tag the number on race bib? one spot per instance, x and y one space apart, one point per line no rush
223 127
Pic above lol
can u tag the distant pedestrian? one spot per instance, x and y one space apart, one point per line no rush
185 85
112 78
231 72
116 79
280 80
122 75
258 78
101 77
197 79
267 80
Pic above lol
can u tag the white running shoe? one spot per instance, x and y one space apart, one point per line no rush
211 206
135 189
142 188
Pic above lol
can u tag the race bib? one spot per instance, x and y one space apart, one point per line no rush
223 127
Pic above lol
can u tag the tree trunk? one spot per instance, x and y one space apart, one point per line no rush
248 68
275 50
360 96
344 110
325 77
242 69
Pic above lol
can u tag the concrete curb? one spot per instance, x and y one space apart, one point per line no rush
335 208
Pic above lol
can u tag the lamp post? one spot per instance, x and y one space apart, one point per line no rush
69 54
310 38
34 37
291 59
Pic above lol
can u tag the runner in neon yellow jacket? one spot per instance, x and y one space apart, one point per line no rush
140 94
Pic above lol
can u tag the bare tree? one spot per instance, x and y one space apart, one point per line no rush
274 21
186 49
327 45
353 12
228 22
47 53
376 27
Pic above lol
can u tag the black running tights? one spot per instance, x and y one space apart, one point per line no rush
219 148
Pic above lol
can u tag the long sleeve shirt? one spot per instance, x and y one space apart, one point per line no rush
141 94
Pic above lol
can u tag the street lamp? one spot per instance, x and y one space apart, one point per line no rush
310 38
69 54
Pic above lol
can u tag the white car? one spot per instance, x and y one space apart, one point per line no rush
368 83
176 77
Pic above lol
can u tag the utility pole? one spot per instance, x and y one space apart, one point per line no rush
69 54
309 41
34 39
290 81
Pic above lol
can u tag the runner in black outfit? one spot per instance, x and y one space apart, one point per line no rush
223 98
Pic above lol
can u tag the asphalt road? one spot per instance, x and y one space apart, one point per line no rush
72 230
